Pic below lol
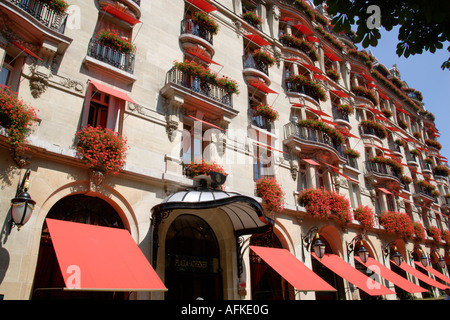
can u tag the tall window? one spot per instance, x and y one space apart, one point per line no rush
98 110
263 163
196 142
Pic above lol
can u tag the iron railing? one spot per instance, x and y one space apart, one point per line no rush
44 13
381 168
250 62
188 26
200 86
113 57
299 88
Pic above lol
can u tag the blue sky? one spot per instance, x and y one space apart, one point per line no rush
422 72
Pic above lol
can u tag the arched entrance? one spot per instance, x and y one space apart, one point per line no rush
192 262
329 276
266 283
48 280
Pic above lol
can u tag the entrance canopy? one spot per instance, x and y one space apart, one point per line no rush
245 213
94 258
292 269
391 276
349 273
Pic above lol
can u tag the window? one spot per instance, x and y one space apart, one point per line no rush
263 164
322 180
196 141
302 177
355 198
103 110
11 71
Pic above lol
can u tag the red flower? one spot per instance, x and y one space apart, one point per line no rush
202 167
271 192
419 231
364 214
397 223
435 233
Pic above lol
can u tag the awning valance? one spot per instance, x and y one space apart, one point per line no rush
260 85
202 5
291 269
349 273
94 258
257 40
113 92
391 276
120 14
246 214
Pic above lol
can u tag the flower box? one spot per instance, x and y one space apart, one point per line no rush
397 167
433 143
271 192
266 112
301 45
333 74
205 21
366 93
441 170
321 126
419 231
403 124
400 142
378 128
345 108
198 168
365 215
16 117
352 153
387 113
59 6
300 80
263 56
435 233
112 39
102 148
445 234
425 184
397 223
252 18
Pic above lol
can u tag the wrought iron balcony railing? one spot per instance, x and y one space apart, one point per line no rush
113 57
188 26
298 88
43 12
381 168
250 62
200 86
260 121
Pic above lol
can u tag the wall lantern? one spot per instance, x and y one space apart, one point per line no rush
424 260
22 205
397 257
363 253
441 262
318 246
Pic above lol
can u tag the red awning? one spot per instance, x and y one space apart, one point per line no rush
419 275
385 191
286 19
312 39
432 270
376 111
403 111
302 28
383 96
202 56
112 92
349 273
311 67
393 129
292 269
122 15
340 94
27 51
311 162
257 39
332 56
329 122
99 258
391 276
204 122
348 134
381 118
319 76
260 85
345 176
319 112
202 5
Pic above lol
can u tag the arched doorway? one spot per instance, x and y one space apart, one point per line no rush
192 261
329 276
266 283
48 280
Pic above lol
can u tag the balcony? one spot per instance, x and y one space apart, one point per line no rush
260 121
311 140
199 94
423 193
111 61
382 172
192 34
303 90
249 62
341 117
37 20
42 12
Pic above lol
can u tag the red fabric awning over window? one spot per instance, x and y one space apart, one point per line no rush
419 275
202 5
257 39
385 191
302 28
291 269
204 122
312 39
340 94
311 67
202 56
434 271
319 112
332 56
99 258
311 162
319 76
260 85
111 91
391 276
27 51
349 273
122 15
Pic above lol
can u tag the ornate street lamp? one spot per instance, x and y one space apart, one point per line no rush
307 243
318 247
22 205
424 260
397 257
363 254
441 262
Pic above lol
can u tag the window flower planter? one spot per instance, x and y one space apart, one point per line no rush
308 86
364 214
435 233
400 142
433 143
203 167
403 124
445 234
387 113
345 108
366 93
102 148
333 74
370 127
205 21
352 153
110 38
397 167
324 204
271 192
252 18
419 232
397 223
59 6
16 117
320 125
425 184
266 112
264 57
441 170
301 45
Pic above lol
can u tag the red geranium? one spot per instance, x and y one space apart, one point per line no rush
419 232
102 148
435 233
202 167
397 223
364 214
271 192
446 237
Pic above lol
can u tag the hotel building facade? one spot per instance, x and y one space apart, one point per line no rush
315 140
